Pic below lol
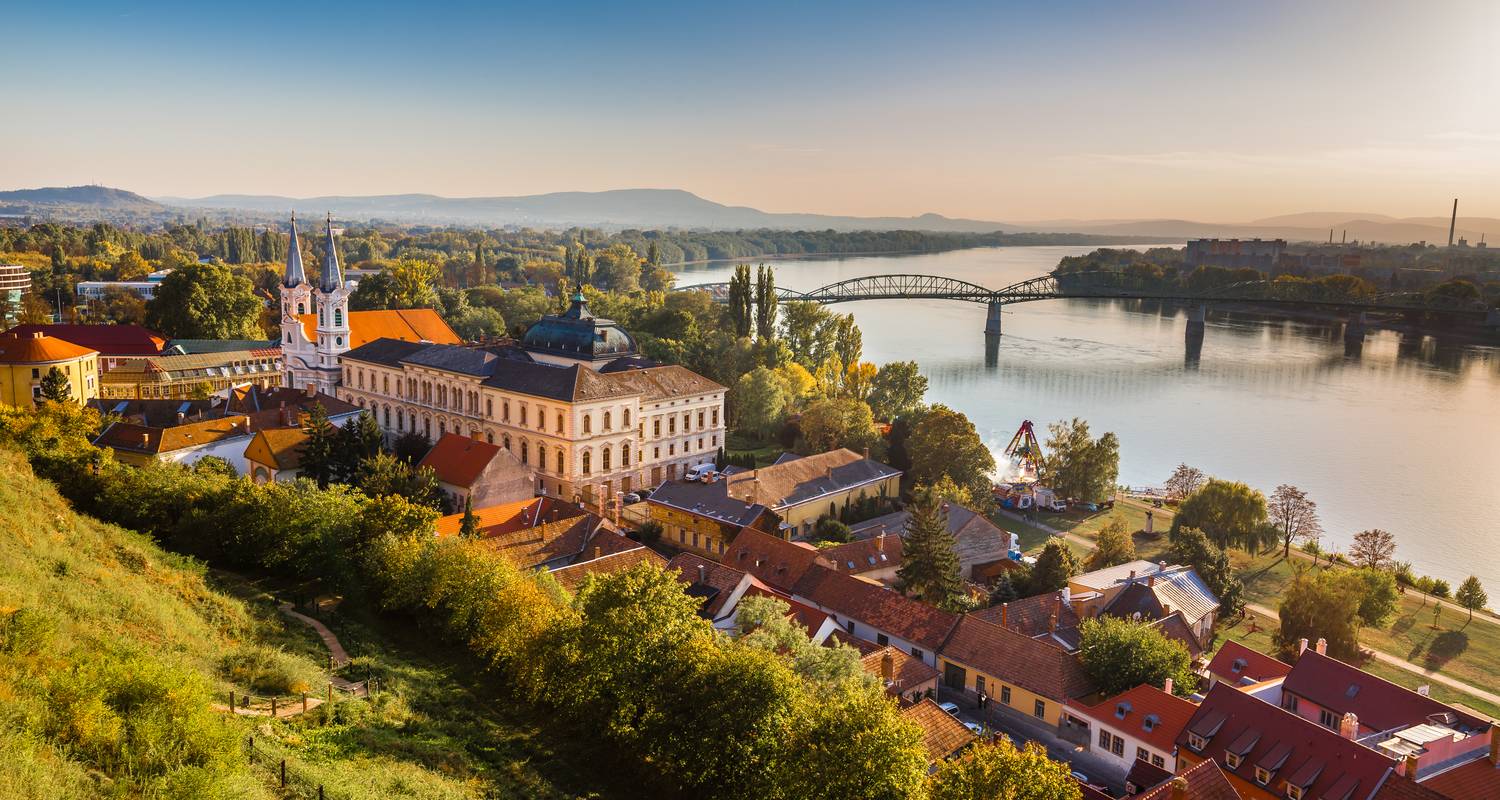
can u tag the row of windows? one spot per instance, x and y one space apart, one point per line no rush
687 419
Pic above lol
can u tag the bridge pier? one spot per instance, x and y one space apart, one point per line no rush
992 319
1492 318
1354 329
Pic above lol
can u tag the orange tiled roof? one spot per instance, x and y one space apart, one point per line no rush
1203 781
1239 665
1036 665
1476 780
511 517
406 324
39 348
1129 711
908 672
942 733
277 447
459 460
573 576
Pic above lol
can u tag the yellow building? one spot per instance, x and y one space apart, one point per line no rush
25 360
1028 676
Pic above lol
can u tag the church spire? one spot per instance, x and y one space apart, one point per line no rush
333 276
294 273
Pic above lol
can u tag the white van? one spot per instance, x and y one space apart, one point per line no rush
700 472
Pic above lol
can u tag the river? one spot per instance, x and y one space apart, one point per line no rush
1405 436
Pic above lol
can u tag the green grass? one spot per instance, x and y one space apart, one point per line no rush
739 445
113 652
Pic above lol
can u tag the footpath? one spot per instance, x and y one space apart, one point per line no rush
338 657
1385 658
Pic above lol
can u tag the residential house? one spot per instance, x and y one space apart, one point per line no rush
479 474
874 559
1035 677
1238 665
113 343
906 678
1269 753
182 432
943 734
777 562
980 544
1143 590
695 517
719 587
628 555
1202 781
873 612
27 359
275 454
1049 616
1139 724
539 533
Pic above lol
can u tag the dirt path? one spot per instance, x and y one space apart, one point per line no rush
290 708
340 657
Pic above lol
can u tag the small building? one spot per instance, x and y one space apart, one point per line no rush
183 376
904 677
622 555
696 517
1034 677
943 734
1147 591
26 359
718 587
876 558
1238 665
980 543
539 533
112 342
870 611
1202 781
274 455
15 284
1139 724
473 472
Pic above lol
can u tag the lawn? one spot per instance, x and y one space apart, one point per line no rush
738 445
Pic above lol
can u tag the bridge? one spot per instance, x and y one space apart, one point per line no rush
1110 285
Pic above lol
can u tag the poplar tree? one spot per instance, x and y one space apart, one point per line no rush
765 303
740 300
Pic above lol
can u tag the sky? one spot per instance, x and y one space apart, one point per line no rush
1206 110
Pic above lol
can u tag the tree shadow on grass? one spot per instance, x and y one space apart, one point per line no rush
1447 646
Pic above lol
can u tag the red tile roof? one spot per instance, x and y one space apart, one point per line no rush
1378 703
1399 788
109 340
406 324
694 569
1144 776
942 733
1031 615
1034 664
884 609
1476 780
776 561
572 577
508 517
38 349
1292 748
459 460
1240 666
1131 709
908 672
1203 781
865 555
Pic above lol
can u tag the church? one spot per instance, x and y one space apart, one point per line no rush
317 326
574 400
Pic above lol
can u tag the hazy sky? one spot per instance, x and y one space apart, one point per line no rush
1206 110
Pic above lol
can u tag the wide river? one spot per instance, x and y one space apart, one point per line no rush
1404 436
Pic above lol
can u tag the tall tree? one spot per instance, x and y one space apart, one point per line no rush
898 388
1471 596
848 342
205 301
759 402
930 568
1078 465
1321 604
360 439
1120 654
1295 515
1373 548
468 527
322 450
1183 482
1193 548
740 300
55 386
1231 513
941 441
765 302
1054 566
1112 545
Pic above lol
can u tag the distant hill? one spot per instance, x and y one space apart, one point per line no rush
96 196
619 208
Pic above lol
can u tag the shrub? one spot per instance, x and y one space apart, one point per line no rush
268 670
25 631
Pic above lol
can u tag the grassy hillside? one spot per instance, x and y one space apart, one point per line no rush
114 652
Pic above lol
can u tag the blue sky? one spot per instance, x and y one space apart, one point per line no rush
1209 110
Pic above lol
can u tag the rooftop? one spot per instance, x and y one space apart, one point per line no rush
709 580
865 555
884 609
942 733
779 563
1379 704
280 448
1241 666
1202 781
1037 665
38 348
108 340
406 324
577 333
806 479
907 671
573 576
460 460
1145 712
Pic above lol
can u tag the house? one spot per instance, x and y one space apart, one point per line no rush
1202 781
695 517
803 490
1035 677
475 473
573 576
1045 616
904 677
873 612
876 558
1145 776
980 544
182 432
1139 724
773 560
111 342
179 375
26 359
1147 591
1270 753
942 733
719 587
275 454
539 533
1430 735
1238 665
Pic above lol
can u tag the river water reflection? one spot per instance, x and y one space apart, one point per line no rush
1404 436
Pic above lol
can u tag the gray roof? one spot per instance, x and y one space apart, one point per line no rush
706 499
577 333
332 277
294 273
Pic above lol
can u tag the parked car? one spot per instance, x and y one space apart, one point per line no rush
951 708
975 728
1080 777
631 498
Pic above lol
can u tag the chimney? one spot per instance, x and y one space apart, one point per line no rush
181 418
1052 623
1131 579
888 667
1301 646
1067 596
703 573
1494 747
1166 610
598 551
1161 566
1322 646
1005 615
1151 580
145 440
1349 726
1179 788
867 454
880 542
1166 686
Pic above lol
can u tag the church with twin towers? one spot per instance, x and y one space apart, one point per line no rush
573 399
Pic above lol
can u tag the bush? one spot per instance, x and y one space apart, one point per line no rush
829 529
26 631
268 670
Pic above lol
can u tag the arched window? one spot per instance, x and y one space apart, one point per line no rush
559 422
606 421
505 440
338 318
561 461
541 457
301 309
388 416
525 452
489 436
442 427
625 419
588 425
385 384
400 420
604 459
586 462
625 454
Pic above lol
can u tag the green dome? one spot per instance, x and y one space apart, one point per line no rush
577 333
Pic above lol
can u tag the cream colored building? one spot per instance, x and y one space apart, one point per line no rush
26 359
573 401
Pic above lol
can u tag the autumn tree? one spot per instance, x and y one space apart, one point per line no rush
759 400
205 301
833 423
765 303
930 568
989 770
1295 515
1374 548
1112 545
941 441
1078 465
1184 481
1471 596
898 388
1321 604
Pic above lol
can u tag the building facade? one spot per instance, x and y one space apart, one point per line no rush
15 284
312 358
191 375
27 359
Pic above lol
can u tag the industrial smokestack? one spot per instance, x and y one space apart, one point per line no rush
1453 223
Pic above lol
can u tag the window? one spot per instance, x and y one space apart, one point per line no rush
541 458
625 454
655 425
505 410
1117 746
850 625
505 441
625 419
560 462
524 449
606 421
586 461
672 426
1197 742
882 640
338 318
604 459
656 452
686 419
671 449
1262 776
1328 719
919 655
1294 792
979 684
1289 702
1157 761
1005 694
588 424
1039 710
559 422
1104 739
1233 760
700 420
523 413
489 407
1141 754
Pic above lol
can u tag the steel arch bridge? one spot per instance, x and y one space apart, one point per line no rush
1104 285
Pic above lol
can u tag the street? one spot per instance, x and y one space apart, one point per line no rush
1021 730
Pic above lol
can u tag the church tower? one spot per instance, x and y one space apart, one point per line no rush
332 298
296 301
